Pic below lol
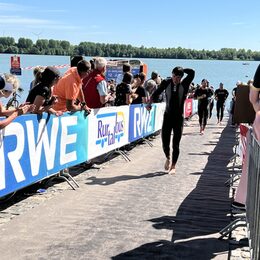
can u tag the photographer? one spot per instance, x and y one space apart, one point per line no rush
8 84
41 95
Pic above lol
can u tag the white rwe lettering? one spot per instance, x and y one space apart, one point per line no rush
2 160
14 156
35 149
147 120
67 139
137 121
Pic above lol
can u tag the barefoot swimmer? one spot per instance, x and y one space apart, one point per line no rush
176 91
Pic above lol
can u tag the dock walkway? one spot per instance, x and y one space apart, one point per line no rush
132 210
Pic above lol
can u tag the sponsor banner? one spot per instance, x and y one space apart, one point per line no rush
188 107
34 147
141 122
15 62
108 130
241 191
159 112
113 71
16 71
15 65
194 106
242 141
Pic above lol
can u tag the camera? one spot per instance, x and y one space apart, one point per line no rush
50 101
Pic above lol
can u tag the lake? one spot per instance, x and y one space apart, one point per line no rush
215 71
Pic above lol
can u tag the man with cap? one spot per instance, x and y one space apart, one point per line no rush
176 90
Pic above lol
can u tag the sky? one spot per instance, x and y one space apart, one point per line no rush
192 24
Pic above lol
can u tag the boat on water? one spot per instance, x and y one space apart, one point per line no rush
245 63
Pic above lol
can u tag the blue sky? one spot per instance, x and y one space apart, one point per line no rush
194 24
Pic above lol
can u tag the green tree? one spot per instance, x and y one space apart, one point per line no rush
12 49
24 43
7 41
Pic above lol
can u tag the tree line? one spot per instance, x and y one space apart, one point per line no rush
57 47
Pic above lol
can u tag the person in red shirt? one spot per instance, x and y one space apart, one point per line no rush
95 86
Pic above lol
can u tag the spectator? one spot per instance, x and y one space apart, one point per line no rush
8 84
138 93
151 84
233 103
41 94
75 60
111 88
37 75
69 89
95 86
123 91
126 68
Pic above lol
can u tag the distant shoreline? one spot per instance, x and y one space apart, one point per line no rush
91 49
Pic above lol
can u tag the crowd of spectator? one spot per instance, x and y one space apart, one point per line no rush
84 87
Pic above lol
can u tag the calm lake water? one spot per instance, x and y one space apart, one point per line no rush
228 72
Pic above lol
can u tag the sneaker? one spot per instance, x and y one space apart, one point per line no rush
167 164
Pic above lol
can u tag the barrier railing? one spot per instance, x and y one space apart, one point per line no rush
35 147
253 198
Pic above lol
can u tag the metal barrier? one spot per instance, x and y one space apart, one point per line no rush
253 198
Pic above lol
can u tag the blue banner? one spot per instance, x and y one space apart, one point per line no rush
34 147
141 122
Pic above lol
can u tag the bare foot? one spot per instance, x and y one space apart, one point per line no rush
172 170
167 164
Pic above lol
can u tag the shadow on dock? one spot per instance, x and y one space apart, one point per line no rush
201 215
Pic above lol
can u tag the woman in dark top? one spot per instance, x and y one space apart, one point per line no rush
123 90
41 95
138 92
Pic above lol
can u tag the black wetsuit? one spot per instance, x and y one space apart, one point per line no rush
256 82
203 105
211 102
221 96
173 116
